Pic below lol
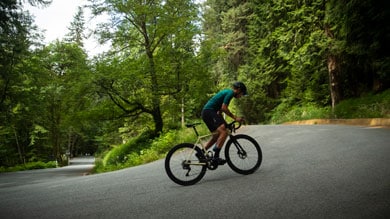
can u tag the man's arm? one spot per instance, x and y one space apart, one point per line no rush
226 110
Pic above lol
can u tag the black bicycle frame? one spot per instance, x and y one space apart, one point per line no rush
240 150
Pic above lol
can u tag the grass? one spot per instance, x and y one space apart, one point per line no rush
155 149
30 166
368 106
142 149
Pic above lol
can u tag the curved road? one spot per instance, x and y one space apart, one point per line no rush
322 171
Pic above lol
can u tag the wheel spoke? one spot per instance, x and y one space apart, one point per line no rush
243 154
182 166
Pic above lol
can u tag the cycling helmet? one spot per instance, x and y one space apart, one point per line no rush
242 87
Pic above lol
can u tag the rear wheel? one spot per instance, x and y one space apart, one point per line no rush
243 154
183 166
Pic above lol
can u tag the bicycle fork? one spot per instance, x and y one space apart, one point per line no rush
240 150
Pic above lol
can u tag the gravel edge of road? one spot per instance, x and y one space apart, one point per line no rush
371 122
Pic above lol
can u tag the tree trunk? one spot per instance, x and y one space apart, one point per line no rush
156 112
333 80
182 113
158 121
18 146
333 72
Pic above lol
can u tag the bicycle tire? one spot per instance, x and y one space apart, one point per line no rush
248 163
176 168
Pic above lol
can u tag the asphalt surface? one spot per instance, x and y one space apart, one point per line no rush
321 171
78 166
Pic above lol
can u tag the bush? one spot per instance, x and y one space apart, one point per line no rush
118 154
30 166
369 106
142 150
296 113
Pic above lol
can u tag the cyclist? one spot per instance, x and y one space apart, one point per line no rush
212 116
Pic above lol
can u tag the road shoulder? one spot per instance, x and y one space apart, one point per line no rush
371 122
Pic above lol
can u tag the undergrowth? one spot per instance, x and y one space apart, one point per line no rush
142 150
368 106
29 166
138 151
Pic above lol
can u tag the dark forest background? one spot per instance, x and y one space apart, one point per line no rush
168 57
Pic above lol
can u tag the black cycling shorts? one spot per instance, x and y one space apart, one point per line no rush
212 119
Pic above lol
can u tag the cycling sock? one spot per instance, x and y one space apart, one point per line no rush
216 152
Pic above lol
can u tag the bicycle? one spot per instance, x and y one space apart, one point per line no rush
186 163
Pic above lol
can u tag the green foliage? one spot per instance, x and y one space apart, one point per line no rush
21 76
287 62
76 30
285 113
159 37
296 57
358 40
367 106
143 150
118 154
29 166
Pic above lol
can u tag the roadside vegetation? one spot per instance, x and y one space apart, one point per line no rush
126 106
30 166
127 155
141 150
367 106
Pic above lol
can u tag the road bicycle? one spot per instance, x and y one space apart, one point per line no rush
186 163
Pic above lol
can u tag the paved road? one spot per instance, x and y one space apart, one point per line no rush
79 166
322 171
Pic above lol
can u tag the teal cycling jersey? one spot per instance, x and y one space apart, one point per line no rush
222 97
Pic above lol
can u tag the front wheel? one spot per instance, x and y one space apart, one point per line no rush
183 166
243 154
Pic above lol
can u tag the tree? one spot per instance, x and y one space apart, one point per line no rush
16 36
141 31
65 95
359 52
213 44
226 42
235 33
267 69
289 55
76 29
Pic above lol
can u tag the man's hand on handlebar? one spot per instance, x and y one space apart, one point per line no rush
239 119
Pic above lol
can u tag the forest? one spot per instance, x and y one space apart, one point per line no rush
167 57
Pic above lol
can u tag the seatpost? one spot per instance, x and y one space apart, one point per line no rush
196 132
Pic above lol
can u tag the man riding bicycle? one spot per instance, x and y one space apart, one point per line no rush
212 116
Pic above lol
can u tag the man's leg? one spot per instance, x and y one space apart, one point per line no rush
212 141
221 139
216 124
212 120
